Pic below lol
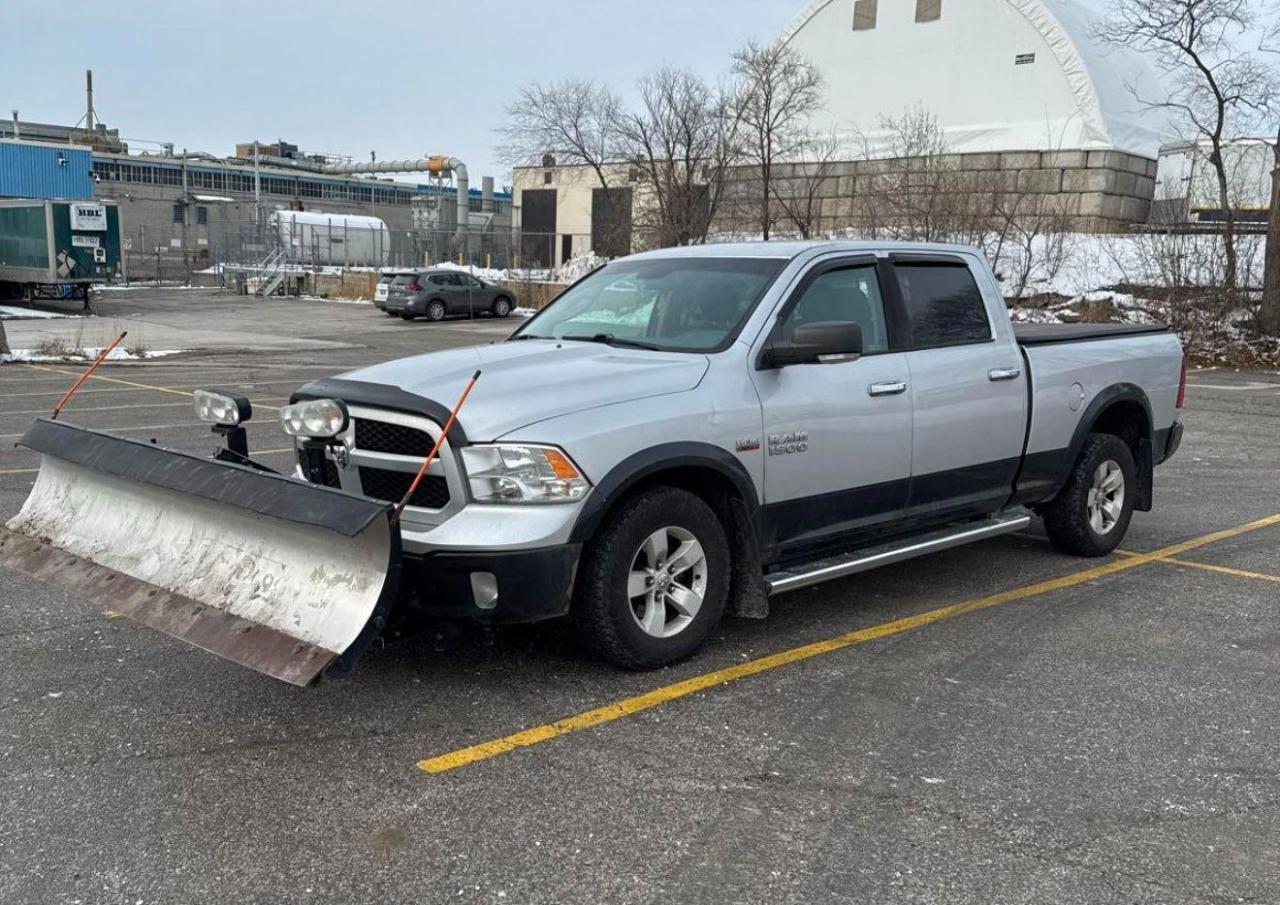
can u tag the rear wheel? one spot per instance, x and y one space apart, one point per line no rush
654 581
435 311
501 307
406 316
1091 514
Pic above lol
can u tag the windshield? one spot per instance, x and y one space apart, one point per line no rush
672 304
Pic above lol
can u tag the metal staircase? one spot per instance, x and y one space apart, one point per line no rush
270 272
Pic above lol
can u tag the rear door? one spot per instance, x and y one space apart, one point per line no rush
457 295
837 436
968 388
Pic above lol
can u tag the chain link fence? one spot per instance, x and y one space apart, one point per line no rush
208 252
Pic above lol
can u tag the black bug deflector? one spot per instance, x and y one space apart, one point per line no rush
276 574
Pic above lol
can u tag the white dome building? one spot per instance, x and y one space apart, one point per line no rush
999 75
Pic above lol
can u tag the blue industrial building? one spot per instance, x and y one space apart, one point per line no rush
37 170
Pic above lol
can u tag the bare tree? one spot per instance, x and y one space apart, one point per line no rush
778 90
1269 314
575 121
801 199
679 142
1210 83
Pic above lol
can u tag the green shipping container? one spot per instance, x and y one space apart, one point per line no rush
59 242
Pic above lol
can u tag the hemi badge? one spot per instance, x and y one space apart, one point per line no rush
747 445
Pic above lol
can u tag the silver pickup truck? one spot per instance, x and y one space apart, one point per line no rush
686 432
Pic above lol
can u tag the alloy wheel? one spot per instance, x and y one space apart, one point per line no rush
667 582
1106 497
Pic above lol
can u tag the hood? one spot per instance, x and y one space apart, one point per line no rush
529 381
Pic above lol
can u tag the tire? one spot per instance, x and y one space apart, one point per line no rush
436 311
1077 520
608 614
388 313
408 316
501 307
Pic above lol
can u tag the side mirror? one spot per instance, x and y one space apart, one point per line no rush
830 342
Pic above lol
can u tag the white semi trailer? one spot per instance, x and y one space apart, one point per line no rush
327 239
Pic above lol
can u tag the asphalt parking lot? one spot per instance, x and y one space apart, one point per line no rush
1000 723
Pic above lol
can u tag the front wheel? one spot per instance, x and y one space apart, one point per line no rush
1090 515
654 581
501 307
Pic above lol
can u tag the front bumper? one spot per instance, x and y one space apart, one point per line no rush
498 588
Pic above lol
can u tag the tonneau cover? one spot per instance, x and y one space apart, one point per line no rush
1043 334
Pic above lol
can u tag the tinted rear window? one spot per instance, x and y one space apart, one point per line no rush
404 280
944 305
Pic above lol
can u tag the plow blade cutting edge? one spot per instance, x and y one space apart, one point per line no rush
285 577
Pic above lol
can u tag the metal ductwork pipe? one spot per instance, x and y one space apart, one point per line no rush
436 164
486 194
383 166
441 164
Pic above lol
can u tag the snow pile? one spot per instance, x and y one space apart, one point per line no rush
8 312
85 355
1072 264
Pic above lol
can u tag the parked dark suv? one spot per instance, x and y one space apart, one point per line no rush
436 294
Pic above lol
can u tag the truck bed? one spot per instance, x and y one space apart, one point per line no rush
1045 334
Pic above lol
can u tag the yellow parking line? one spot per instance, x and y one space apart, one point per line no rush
638 703
1210 567
19 471
135 385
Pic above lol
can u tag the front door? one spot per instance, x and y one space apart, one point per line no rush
969 390
837 436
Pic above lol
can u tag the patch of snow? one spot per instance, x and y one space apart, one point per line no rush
336 300
9 312
86 355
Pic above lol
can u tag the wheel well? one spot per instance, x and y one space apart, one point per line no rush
706 483
1127 420
748 596
1130 421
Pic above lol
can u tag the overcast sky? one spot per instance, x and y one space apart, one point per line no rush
403 77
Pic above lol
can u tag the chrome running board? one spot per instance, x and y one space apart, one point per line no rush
905 548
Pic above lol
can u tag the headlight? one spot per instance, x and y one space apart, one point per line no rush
320 418
515 473
218 407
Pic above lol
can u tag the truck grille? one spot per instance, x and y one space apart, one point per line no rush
391 486
384 437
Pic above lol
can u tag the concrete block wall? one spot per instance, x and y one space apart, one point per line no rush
1086 191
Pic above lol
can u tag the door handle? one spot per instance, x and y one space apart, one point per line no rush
1004 374
891 388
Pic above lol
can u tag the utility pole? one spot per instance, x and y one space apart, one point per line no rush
257 188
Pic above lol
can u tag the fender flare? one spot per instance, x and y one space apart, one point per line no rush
1116 393
638 466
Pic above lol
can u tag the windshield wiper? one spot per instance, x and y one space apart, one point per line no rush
609 339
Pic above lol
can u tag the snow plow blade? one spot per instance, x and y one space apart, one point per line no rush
282 576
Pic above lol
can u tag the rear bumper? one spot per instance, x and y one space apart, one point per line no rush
507 587
1168 442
